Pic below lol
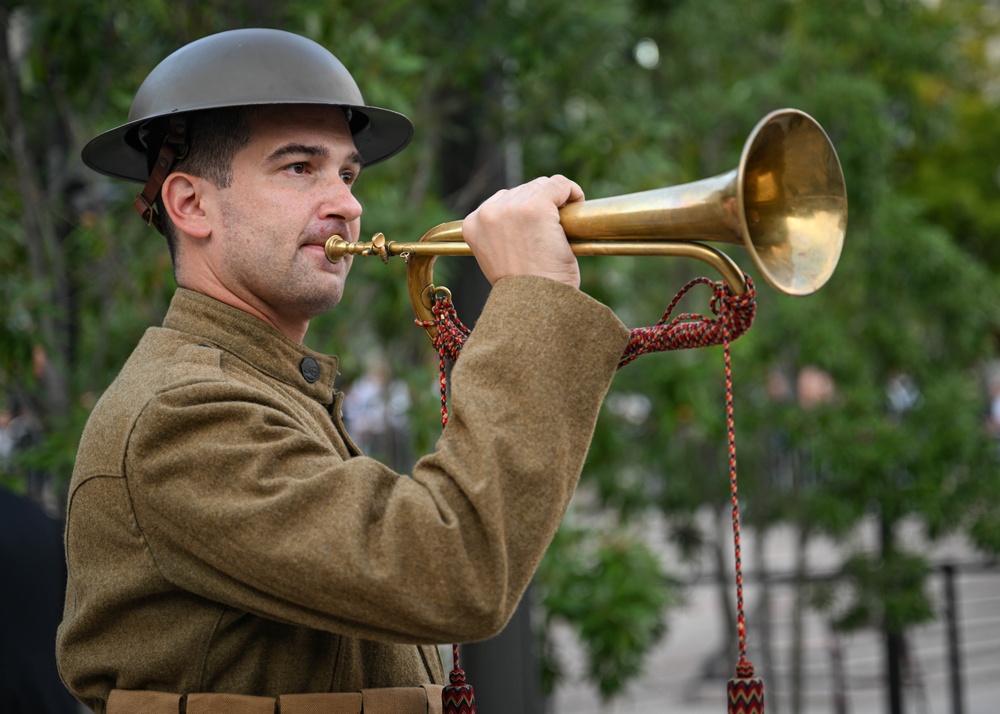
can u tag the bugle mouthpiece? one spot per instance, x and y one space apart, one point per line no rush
336 248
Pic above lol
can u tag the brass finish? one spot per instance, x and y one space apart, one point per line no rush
786 204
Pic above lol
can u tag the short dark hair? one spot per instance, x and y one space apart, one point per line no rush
214 138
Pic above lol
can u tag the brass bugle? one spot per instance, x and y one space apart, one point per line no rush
785 203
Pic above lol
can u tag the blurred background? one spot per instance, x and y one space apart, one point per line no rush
867 415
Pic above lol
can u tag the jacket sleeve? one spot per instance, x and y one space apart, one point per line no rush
240 504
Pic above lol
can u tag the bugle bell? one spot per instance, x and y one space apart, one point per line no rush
785 203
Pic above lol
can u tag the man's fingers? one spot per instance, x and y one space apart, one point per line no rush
517 231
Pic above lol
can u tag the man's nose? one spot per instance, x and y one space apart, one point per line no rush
342 203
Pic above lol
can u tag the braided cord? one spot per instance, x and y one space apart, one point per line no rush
458 696
734 493
733 317
448 341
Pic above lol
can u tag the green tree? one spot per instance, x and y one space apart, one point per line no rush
622 97
902 433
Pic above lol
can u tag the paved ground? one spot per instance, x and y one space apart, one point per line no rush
683 675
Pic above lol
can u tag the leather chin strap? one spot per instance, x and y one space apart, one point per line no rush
174 149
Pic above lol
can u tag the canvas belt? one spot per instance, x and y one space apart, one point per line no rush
425 699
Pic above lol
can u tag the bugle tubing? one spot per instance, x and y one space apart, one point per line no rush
785 203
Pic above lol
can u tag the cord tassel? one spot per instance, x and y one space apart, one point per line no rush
458 697
746 692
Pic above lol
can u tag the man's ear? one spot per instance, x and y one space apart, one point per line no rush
184 198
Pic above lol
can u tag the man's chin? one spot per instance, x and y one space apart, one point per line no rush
323 300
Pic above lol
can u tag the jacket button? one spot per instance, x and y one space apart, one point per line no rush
309 368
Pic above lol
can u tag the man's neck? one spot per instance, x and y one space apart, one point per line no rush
295 331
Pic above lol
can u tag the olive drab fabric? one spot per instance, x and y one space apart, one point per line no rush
224 535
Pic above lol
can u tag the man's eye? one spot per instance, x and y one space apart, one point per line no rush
349 177
299 168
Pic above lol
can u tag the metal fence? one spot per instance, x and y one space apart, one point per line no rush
950 665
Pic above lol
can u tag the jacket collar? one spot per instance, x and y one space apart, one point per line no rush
253 341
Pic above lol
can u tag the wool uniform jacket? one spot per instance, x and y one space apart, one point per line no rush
224 534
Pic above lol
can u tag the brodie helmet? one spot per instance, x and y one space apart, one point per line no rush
235 68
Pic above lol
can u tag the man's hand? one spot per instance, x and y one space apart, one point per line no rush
517 232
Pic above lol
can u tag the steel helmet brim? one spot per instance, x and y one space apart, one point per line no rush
249 67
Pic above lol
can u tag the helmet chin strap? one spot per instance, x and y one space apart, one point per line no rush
174 149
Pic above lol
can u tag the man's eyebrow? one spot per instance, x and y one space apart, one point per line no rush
308 150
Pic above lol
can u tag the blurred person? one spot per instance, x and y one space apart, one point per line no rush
814 387
33 565
228 545
6 439
992 386
375 413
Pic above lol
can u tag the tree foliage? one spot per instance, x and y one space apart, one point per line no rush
622 97
612 590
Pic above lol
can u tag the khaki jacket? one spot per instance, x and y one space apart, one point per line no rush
225 535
